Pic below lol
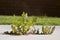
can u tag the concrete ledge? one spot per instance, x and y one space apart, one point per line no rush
54 36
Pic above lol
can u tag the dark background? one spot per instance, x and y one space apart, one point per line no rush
32 7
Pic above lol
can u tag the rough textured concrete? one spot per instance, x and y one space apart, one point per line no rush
54 36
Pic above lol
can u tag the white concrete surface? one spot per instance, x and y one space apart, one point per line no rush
54 36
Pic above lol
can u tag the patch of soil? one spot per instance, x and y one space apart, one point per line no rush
11 33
